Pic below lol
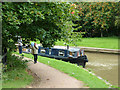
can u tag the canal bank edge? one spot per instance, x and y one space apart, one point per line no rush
93 49
101 50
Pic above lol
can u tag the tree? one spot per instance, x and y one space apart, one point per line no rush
41 20
97 17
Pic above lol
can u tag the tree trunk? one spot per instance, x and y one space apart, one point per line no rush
101 33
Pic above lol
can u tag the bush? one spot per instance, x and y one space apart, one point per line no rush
15 72
14 62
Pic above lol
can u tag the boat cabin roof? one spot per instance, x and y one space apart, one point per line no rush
73 49
65 48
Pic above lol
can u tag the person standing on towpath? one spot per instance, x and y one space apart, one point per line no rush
20 45
34 48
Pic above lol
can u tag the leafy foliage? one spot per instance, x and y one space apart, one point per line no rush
15 72
40 20
14 62
97 17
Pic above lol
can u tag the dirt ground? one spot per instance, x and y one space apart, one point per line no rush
48 77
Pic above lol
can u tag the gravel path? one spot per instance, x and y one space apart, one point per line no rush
49 77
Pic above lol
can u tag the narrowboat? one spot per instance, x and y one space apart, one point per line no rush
72 55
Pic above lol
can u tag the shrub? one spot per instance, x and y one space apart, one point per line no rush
13 62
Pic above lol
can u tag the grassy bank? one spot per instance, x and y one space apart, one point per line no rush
104 42
73 70
16 79
16 75
98 42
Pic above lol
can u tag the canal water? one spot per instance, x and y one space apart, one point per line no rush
104 65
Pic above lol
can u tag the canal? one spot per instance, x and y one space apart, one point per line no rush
104 65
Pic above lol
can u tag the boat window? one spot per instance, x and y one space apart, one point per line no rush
72 53
49 51
61 53
43 51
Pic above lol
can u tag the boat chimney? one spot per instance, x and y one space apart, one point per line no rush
67 46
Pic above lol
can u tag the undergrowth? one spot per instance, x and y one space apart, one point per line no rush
14 72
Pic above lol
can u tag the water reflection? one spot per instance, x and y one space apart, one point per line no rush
104 65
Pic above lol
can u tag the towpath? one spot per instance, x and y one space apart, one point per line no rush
49 77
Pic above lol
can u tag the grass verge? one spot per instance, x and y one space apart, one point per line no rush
100 42
16 75
16 79
73 70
